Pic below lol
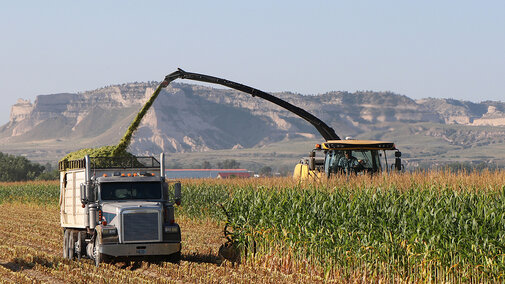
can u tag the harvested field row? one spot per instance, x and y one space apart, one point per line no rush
31 253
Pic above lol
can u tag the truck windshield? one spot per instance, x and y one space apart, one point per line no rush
130 190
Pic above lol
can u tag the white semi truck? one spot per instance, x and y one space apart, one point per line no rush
118 208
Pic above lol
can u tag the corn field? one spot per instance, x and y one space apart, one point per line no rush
430 226
433 226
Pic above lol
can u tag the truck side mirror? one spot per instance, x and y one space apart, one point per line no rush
84 197
177 193
91 193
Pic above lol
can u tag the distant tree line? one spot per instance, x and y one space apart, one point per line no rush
18 168
456 167
471 167
225 164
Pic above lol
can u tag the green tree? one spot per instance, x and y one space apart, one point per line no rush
17 168
206 165
228 164
49 175
265 171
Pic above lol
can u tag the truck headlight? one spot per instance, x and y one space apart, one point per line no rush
109 235
109 231
171 229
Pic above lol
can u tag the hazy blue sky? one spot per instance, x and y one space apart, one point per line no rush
450 49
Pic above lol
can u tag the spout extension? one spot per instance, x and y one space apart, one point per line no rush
326 131
172 76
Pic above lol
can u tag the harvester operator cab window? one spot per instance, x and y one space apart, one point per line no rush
348 163
351 162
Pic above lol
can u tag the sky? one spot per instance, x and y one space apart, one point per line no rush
442 49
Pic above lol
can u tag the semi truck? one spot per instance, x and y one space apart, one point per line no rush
118 207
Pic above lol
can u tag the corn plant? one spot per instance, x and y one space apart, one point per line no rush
438 225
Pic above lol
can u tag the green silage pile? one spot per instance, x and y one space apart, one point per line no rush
105 151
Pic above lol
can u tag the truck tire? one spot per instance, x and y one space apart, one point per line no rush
98 256
81 244
65 243
71 244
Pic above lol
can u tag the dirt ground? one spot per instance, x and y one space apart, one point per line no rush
31 252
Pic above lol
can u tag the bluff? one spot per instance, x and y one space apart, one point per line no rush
188 118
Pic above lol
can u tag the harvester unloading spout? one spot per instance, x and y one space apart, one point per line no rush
327 132
333 146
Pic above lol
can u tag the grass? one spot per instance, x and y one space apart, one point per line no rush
37 192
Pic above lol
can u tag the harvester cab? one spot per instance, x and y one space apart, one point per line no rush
347 157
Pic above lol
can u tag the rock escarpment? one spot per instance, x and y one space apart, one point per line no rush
189 118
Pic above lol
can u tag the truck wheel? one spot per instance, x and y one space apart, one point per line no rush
98 256
80 244
65 243
71 244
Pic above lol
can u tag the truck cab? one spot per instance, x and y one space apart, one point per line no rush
118 208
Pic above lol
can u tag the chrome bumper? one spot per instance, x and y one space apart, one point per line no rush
139 249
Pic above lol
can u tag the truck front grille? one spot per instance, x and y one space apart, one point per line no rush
139 226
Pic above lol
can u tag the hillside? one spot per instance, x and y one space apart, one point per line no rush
196 122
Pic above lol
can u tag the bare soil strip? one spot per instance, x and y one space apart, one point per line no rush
30 252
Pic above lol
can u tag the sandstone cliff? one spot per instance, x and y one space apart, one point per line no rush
194 118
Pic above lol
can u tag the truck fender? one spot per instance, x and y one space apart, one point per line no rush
98 233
